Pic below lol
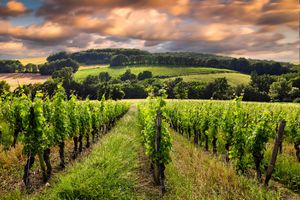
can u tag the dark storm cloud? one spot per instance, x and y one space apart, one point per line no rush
151 43
275 18
117 38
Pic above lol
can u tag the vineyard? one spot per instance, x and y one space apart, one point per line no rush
42 123
253 145
242 133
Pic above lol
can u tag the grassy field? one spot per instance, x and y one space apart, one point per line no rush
156 70
187 73
16 79
233 78
36 61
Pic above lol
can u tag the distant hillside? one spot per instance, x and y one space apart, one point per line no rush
127 57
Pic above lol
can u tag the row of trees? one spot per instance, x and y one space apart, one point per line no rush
12 66
270 88
50 67
125 57
41 122
194 59
96 56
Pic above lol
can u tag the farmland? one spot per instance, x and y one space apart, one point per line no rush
119 161
36 61
149 100
232 78
201 74
16 79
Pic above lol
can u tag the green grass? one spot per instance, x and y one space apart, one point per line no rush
233 78
156 70
286 168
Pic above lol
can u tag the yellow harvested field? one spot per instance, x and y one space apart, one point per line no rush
83 67
36 61
16 79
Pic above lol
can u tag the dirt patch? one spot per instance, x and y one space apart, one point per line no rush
16 79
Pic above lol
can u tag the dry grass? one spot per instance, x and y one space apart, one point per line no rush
39 60
16 79
84 67
11 165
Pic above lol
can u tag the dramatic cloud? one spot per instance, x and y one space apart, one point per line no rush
12 8
253 28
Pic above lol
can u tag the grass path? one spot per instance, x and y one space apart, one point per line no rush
111 171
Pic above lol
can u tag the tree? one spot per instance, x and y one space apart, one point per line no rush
218 89
279 90
49 67
128 76
4 87
221 89
294 93
134 91
170 85
262 82
65 74
145 74
90 80
116 92
296 82
104 76
118 60
10 66
181 90
58 56
251 93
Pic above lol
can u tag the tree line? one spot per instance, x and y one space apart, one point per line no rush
263 88
12 66
129 57
242 65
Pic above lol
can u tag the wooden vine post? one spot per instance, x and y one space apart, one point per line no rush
276 147
159 167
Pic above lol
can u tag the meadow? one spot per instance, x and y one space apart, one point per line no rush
16 79
202 74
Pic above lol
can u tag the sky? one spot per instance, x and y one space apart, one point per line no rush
260 29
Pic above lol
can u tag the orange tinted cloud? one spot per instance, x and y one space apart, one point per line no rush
12 8
232 27
15 6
